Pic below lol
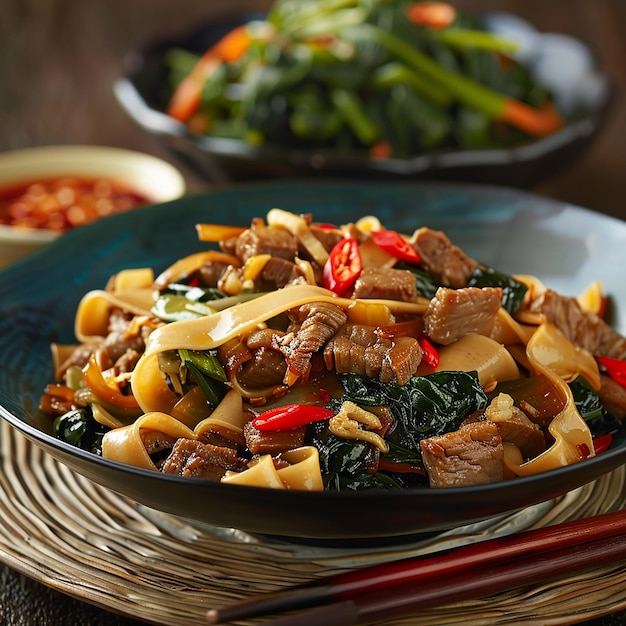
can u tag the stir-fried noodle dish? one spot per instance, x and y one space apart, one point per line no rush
292 354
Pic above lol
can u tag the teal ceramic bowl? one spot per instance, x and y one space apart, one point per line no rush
566 246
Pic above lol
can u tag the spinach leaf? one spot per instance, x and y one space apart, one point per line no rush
78 428
423 407
425 284
588 403
513 291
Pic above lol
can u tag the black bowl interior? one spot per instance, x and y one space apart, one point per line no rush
513 231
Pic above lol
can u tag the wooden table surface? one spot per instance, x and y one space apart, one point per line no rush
59 59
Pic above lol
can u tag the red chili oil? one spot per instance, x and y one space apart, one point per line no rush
65 203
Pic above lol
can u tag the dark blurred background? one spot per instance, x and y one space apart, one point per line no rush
59 59
58 62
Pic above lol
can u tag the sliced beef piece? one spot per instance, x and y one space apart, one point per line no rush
278 273
584 329
453 313
365 351
266 369
472 455
155 441
613 397
388 283
118 341
79 357
516 427
445 262
118 347
261 239
313 324
211 273
328 236
194 459
126 363
273 442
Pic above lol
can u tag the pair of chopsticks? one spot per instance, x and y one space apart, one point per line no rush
457 574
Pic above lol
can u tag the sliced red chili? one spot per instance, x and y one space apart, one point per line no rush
615 368
396 245
342 267
290 416
602 443
430 356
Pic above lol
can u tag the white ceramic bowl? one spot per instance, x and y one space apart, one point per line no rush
145 174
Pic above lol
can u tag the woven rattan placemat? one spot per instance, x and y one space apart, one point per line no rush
84 540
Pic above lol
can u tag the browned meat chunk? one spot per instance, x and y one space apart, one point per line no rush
118 341
194 459
453 313
313 325
261 239
613 397
273 442
128 360
328 236
445 262
584 329
365 351
155 442
266 368
515 426
279 272
79 357
119 347
386 283
210 273
472 455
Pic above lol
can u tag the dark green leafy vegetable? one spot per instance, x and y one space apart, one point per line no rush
513 291
180 302
207 373
425 406
588 403
426 285
358 75
78 428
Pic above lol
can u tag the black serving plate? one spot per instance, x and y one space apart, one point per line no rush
585 95
566 246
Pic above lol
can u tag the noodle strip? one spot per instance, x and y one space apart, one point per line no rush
559 360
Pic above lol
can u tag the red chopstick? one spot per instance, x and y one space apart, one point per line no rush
457 574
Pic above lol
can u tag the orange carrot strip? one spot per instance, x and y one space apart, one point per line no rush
536 122
380 150
188 94
436 15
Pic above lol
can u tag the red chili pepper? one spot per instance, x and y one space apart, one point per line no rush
431 356
342 267
602 443
290 416
615 368
396 245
